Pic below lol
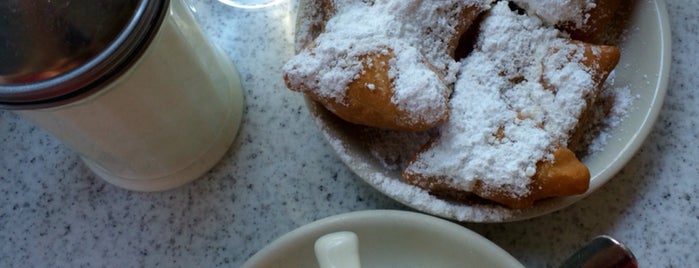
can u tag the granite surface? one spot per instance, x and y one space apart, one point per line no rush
280 174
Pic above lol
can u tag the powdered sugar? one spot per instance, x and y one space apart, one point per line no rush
557 11
620 101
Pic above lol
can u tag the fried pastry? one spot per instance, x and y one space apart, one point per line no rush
519 98
384 64
590 21
606 19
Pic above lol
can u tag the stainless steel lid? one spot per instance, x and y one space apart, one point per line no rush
52 52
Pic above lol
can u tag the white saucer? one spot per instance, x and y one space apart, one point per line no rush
389 238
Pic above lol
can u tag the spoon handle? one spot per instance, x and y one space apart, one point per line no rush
602 252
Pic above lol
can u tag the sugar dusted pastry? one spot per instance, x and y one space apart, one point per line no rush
385 64
518 99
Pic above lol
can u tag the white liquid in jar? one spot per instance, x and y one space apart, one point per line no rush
164 122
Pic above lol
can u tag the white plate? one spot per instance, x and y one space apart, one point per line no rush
644 67
388 238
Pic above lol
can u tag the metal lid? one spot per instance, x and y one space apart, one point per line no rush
52 52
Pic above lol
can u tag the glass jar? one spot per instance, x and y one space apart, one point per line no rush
158 116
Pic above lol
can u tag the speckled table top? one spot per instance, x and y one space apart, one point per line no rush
280 174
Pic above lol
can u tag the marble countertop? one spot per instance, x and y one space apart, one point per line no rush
280 174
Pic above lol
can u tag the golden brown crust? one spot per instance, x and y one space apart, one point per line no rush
605 61
605 22
372 105
468 18
564 176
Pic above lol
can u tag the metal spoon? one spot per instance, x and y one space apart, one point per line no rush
602 252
